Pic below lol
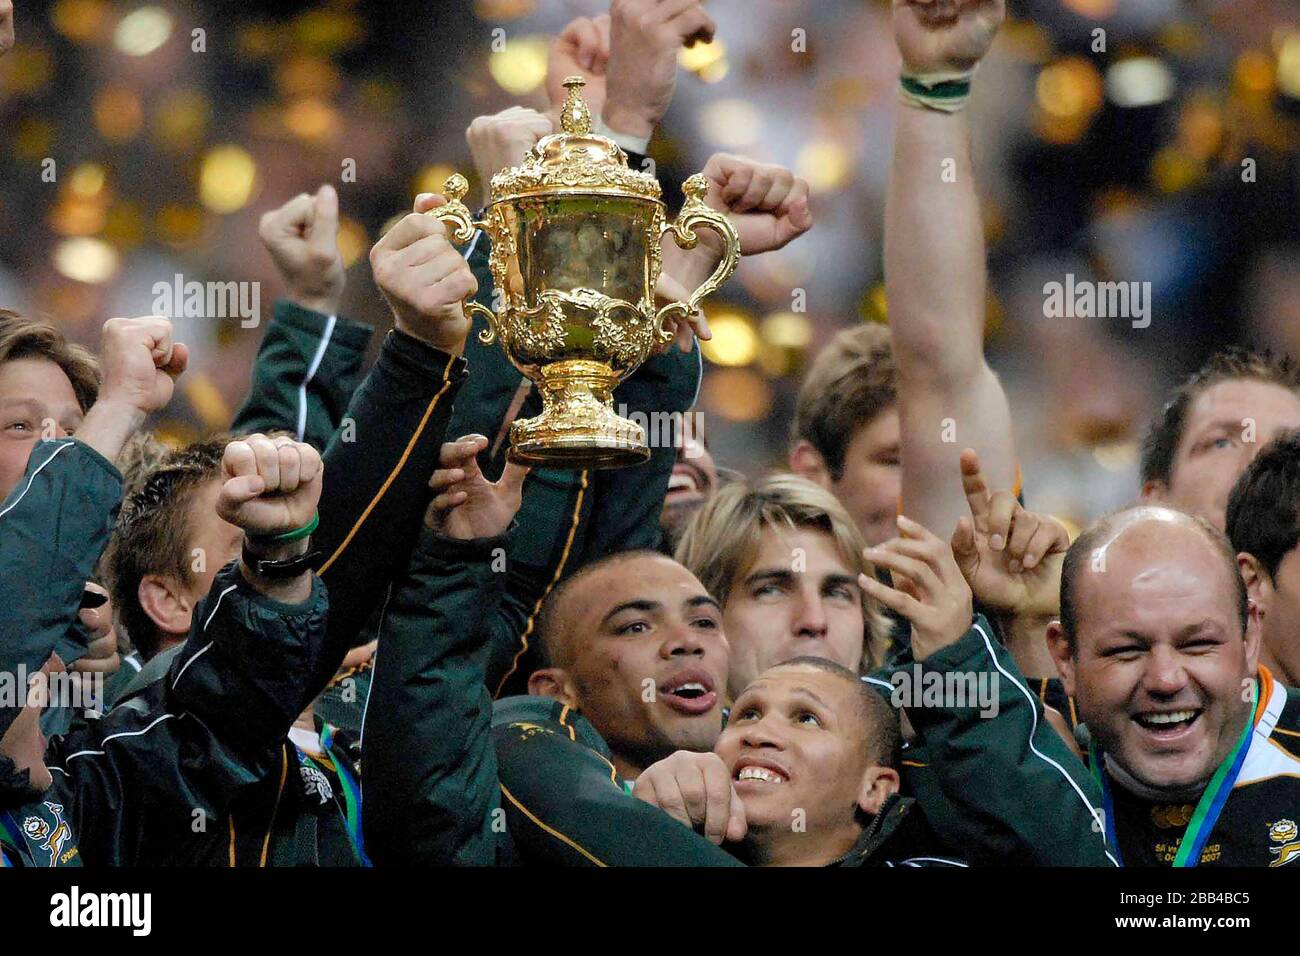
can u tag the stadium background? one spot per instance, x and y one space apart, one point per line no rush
1128 164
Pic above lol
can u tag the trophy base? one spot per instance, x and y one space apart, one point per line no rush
578 427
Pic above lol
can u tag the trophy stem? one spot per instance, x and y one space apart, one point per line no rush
578 427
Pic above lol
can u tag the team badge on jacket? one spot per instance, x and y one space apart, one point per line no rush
1286 833
317 784
51 837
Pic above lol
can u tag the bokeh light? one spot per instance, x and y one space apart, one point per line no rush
734 341
228 179
143 31
520 66
731 123
1139 81
85 259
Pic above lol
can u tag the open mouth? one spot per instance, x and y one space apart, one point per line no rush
758 774
1168 724
689 693
686 480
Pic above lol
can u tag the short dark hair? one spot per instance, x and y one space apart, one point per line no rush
852 380
1166 432
23 338
1264 507
1085 545
552 647
883 734
152 530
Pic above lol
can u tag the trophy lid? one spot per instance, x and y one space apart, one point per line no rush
574 161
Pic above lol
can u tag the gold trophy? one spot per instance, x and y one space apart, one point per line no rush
575 259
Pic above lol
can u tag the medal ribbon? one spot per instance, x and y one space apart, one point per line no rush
1208 808
351 796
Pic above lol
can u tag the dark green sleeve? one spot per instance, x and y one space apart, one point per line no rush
565 808
146 782
53 527
628 501
430 787
306 370
377 470
1007 789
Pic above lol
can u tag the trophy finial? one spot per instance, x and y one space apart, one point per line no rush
574 115
455 187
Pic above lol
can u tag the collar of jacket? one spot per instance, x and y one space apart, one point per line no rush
884 826
553 716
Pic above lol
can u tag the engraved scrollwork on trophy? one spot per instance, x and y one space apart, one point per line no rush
576 257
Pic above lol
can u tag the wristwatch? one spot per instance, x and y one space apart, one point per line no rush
282 570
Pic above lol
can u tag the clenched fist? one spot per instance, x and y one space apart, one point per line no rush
302 238
939 36
767 204
581 49
501 140
645 37
270 485
141 362
424 278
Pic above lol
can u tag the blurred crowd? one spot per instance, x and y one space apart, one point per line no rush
1152 142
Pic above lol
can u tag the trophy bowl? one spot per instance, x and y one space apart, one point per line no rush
575 260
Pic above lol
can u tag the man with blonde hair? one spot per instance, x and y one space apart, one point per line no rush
782 556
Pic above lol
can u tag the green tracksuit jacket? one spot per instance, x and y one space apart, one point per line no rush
459 781
151 781
306 371
527 780
1003 789
53 527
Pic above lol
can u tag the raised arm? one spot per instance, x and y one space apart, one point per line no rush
948 397
377 467
56 521
6 26
427 740
137 781
309 363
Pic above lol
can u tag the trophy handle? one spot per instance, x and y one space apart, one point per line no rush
695 213
457 214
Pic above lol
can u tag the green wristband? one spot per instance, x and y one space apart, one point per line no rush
944 92
297 534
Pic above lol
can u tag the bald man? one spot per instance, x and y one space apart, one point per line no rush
1195 745
1194 748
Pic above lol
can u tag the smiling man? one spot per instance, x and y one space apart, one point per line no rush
1193 741
803 775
